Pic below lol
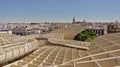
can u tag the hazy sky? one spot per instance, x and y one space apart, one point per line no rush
59 10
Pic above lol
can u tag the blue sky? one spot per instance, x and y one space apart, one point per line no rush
59 10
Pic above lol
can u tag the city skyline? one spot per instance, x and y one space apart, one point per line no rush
59 10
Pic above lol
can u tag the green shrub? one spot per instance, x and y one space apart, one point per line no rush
85 35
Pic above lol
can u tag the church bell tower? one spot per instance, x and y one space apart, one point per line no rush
73 20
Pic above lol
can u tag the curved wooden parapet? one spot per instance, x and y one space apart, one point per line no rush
11 53
52 40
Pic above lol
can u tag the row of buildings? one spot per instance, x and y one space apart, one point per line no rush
100 28
41 28
29 28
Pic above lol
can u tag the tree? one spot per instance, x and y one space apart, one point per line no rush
85 35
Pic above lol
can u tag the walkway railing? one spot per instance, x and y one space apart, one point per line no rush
52 40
